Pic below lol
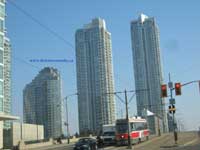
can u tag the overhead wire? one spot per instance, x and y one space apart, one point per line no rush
48 29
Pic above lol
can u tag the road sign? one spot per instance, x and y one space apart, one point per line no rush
170 85
172 109
172 101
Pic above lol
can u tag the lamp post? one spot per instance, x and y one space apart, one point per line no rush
67 118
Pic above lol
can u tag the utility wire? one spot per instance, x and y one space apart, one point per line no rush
131 98
23 61
48 29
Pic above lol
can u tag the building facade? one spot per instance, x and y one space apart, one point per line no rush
2 36
5 67
147 66
7 80
94 77
43 104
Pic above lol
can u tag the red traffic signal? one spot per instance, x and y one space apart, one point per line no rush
164 90
178 88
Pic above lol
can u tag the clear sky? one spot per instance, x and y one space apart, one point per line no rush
178 21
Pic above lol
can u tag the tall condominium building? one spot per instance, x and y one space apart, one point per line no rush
7 79
94 77
5 67
147 66
43 104
2 36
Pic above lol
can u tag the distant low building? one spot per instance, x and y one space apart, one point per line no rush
3 139
155 124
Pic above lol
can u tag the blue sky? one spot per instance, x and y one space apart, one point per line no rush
178 21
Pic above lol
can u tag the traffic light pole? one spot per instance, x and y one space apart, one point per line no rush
171 98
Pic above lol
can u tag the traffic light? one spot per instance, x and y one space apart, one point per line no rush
164 90
178 88
172 109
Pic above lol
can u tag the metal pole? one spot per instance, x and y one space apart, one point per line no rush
127 119
37 133
67 120
171 96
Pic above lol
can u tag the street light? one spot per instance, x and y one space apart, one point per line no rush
67 119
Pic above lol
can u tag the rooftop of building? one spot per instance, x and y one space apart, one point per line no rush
96 22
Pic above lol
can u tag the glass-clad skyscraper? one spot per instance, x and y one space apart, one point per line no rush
147 66
43 104
94 77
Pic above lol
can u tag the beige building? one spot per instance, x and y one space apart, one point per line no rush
25 132
4 117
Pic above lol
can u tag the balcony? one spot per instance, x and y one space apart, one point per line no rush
2 1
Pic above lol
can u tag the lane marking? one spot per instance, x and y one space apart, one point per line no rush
190 142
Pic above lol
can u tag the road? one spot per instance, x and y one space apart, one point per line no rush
186 141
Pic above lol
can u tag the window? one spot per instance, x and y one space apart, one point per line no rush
1 88
1 104
1 72
140 125
1 41
2 11
122 127
1 56
3 1
1 25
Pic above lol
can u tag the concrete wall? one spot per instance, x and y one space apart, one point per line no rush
51 142
32 132
15 133
26 132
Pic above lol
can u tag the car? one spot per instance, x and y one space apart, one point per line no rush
86 144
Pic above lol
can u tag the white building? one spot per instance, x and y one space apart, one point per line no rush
147 66
94 77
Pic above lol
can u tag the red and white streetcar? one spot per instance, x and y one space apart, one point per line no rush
138 130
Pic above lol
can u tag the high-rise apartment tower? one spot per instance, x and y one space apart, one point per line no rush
43 104
147 66
94 77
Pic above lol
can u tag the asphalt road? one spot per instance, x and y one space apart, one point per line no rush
186 141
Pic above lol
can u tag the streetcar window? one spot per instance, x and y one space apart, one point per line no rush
140 125
122 128
132 126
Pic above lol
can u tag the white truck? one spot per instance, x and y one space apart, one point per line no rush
109 134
